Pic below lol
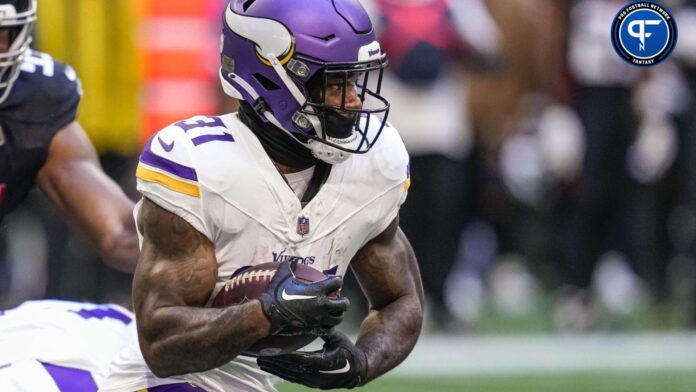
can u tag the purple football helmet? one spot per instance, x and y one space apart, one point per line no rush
277 55
17 16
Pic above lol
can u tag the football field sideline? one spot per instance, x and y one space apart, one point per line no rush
625 362
439 355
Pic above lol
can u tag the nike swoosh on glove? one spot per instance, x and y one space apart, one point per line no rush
339 365
293 306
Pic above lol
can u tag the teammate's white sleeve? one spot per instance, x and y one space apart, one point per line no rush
53 346
167 176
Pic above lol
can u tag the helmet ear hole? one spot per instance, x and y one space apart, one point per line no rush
267 84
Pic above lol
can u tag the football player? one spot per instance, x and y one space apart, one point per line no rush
60 346
307 171
42 143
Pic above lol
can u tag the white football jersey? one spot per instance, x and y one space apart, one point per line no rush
214 173
51 345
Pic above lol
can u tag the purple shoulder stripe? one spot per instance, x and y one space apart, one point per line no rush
149 158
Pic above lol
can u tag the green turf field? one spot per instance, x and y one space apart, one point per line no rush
666 381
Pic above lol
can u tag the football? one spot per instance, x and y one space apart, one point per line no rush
249 284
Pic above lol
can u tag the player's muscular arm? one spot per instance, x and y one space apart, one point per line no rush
388 273
176 274
93 203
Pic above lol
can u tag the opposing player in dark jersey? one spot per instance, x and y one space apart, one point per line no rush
42 143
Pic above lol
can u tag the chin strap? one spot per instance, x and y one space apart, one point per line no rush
326 153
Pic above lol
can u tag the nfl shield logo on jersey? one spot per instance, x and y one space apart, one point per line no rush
303 226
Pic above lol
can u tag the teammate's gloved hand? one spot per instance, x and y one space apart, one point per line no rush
298 307
339 365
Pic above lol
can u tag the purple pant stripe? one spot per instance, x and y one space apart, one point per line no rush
185 387
71 380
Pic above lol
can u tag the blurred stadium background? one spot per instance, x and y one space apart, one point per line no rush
553 206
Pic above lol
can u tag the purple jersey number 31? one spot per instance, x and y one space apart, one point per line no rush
208 122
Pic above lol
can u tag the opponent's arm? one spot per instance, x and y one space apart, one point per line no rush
74 182
176 274
388 273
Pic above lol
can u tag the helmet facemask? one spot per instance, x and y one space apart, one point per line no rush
329 119
20 24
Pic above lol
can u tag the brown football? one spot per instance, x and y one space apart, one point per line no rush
249 284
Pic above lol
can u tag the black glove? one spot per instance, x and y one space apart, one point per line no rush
339 365
292 305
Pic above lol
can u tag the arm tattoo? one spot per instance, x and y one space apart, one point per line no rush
388 273
175 276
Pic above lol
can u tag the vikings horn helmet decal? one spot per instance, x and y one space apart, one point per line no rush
278 55
271 38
